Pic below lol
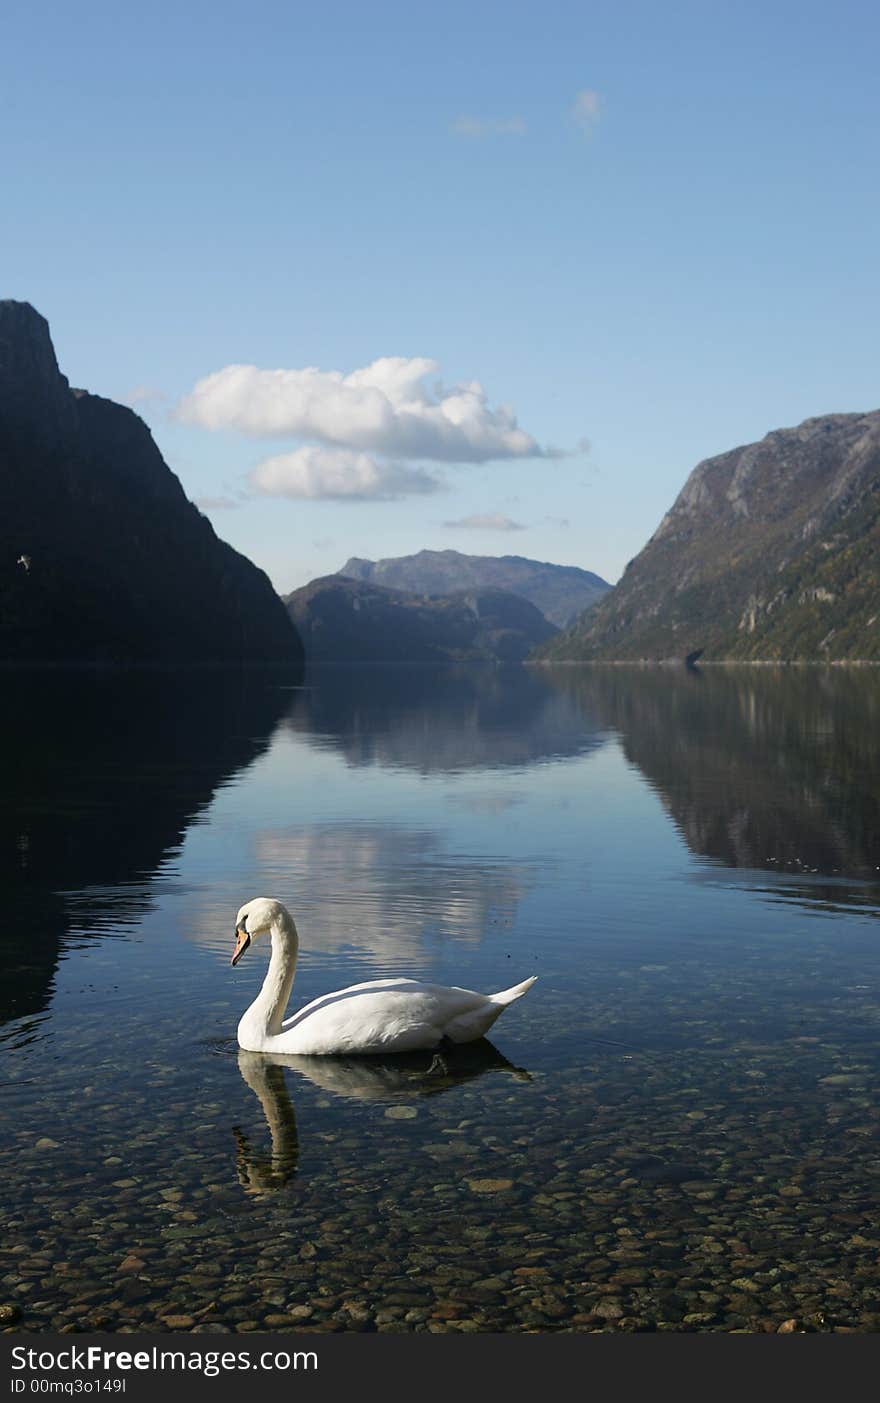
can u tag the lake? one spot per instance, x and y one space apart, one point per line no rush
678 1128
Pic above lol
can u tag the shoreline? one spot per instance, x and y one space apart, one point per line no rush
703 662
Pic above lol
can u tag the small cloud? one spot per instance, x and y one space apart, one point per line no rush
338 474
586 109
143 394
488 126
557 520
217 504
488 521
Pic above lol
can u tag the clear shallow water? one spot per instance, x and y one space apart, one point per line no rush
678 1128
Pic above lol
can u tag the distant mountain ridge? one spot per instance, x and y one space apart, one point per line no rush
771 551
345 620
561 592
102 557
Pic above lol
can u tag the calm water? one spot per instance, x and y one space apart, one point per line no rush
679 1126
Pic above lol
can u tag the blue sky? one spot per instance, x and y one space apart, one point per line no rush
649 227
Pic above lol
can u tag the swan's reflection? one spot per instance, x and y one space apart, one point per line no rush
404 1077
258 1173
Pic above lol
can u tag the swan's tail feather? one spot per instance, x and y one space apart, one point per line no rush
477 1022
516 991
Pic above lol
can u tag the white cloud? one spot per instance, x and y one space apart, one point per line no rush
489 521
586 109
340 474
386 407
488 126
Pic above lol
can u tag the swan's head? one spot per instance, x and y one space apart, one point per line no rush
255 918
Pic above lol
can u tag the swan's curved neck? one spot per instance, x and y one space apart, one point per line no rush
263 1019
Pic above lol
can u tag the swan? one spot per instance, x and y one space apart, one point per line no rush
383 1015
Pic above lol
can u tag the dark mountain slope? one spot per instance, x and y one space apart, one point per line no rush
102 557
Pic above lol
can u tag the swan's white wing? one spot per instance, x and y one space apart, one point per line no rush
382 1015
384 984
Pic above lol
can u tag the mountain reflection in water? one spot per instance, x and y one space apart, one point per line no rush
442 720
764 768
102 775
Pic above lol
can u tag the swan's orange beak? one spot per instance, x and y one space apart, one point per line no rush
242 941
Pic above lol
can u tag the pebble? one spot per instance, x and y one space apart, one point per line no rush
609 1310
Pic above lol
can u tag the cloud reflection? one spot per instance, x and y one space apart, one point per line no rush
387 890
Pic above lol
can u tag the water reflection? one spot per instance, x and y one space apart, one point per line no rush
696 1148
387 890
772 768
102 775
397 1080
442 720
406 1076
258 1172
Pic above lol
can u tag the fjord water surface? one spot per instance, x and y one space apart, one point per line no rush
677 1128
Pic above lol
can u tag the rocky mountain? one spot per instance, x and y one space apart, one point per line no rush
343 620
771 551
561 592
102 557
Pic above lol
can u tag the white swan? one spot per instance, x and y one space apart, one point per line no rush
384 1015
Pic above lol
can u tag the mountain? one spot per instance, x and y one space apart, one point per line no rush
343 620
102 557
561 592
771 551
